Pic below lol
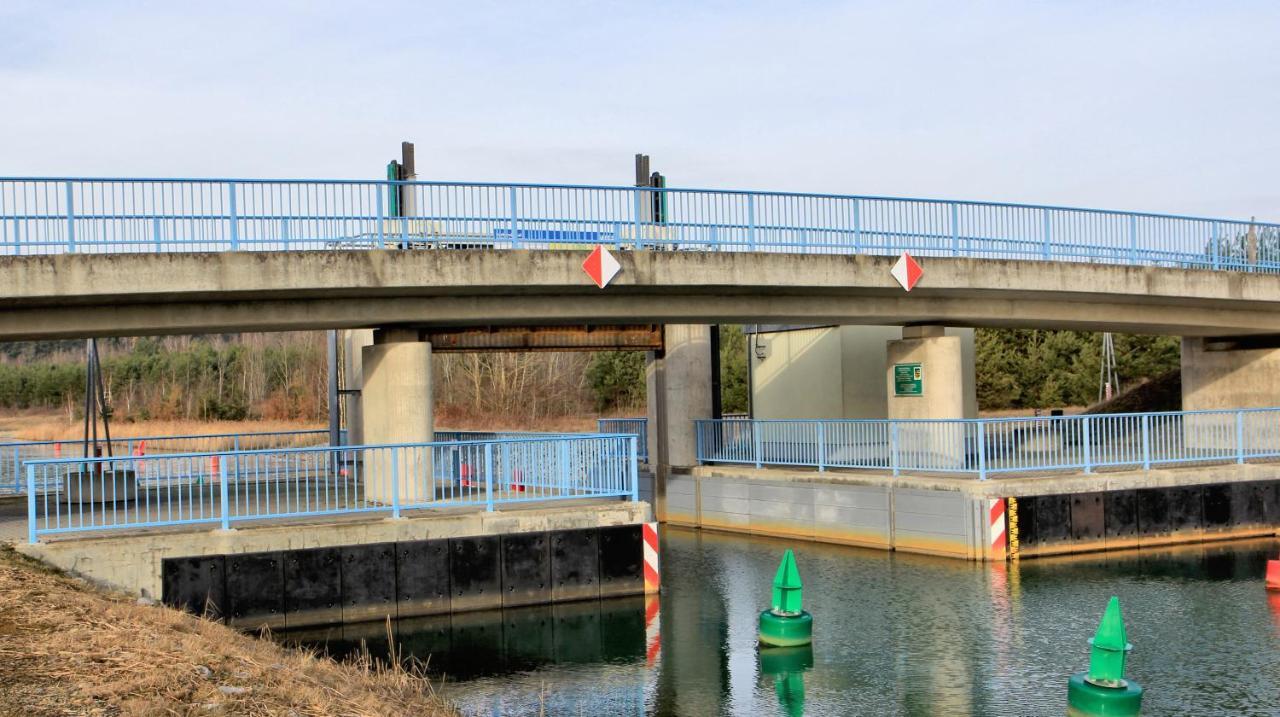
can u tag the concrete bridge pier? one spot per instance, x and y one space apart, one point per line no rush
1223 375
396 407
678 383
930 374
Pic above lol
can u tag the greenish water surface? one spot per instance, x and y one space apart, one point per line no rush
894 634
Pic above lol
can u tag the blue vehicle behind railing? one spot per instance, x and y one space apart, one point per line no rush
78 494
99 216
14 453
986 447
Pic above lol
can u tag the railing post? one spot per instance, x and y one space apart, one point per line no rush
982 450
1239 436
155 234
698 443
71 221
488 474
564 467
755 444
857 226
1133 239
224 495
395 483
235 228
1088 446
1215 248
1146 442
955 229
31 504
634 470
382 240
893 446
822 447
511 199
751 221
1048 235
235 444
636 215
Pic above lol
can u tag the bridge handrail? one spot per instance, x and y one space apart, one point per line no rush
627 188
53 215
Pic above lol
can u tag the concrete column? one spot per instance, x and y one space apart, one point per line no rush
679 391
353 343
948 390
1220 377
397 408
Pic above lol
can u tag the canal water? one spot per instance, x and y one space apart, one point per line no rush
894 634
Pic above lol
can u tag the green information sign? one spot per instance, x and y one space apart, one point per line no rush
908 379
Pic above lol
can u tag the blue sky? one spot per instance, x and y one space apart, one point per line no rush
1160 106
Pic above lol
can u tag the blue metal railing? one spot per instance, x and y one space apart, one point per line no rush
638 427
14 453
76 215
986 447
74 495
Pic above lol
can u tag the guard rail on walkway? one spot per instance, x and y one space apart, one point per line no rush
14 453
638 427
985 447
101 216
72 495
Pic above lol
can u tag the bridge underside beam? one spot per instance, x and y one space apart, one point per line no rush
304 315
72 296
647 337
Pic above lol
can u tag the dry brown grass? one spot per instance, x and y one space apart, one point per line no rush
56 428
67 648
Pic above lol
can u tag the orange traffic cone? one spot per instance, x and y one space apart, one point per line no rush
464 476
57 450
516 477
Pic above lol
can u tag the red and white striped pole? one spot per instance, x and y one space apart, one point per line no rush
652 574
997 533
652 584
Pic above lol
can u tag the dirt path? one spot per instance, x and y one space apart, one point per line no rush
67 648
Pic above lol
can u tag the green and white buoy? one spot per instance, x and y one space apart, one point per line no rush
786 624
1103 691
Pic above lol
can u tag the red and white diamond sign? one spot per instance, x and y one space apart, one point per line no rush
907 271
601 266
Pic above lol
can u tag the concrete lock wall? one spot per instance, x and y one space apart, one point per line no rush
377 581
133 563
397 408
933 518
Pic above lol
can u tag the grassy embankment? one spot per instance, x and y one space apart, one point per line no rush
68 648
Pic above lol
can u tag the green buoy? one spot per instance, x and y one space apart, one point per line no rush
1103 691
786 624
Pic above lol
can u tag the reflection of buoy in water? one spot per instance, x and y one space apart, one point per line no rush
1273 574
786 624
1103 691
787 666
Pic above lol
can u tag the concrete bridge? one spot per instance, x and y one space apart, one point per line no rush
393 262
